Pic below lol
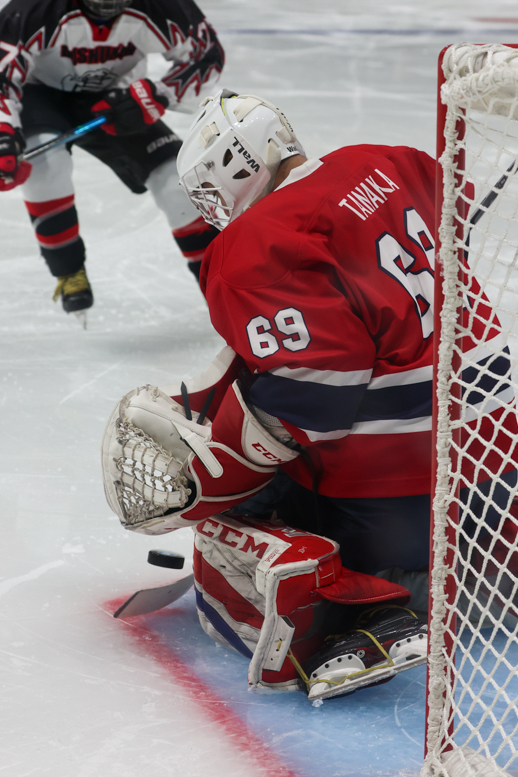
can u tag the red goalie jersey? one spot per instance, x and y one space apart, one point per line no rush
325 288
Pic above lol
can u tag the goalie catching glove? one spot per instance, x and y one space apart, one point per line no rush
164 470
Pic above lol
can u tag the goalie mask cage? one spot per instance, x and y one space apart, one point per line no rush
472 693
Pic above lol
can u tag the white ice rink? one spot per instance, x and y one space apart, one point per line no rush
82 694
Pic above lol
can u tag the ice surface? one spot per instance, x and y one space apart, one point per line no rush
83 694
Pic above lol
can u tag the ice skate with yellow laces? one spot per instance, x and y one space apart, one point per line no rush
76 294
384 642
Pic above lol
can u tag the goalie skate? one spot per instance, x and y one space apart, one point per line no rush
386 641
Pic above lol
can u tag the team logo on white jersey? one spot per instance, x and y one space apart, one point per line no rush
93 81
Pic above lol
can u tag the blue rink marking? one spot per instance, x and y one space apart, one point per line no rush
504 676
377 732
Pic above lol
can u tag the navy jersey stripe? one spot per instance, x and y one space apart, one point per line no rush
324 408
485 390
316 406
501 365
408 401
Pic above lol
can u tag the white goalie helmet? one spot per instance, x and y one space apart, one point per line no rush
106 9
231 154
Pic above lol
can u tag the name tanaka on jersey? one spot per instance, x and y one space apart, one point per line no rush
365 197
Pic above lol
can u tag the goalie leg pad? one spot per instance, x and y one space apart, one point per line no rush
259 590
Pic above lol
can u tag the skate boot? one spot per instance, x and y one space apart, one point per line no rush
75 292
385 641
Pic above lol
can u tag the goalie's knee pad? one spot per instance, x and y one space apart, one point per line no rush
261 589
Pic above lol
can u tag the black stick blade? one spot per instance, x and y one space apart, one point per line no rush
152 599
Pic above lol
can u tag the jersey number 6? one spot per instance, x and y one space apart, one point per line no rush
289 321
407 269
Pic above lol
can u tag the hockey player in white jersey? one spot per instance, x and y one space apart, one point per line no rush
65 62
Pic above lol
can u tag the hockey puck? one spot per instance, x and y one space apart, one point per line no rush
165 558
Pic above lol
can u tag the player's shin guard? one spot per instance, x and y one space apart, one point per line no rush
261 589
192 240
56 227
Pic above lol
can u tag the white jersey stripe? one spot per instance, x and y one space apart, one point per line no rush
394 426
325 377
337 434
489 405
405 378
485 350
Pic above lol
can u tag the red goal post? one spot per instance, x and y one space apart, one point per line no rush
472 687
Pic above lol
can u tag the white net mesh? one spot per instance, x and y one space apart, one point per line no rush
472 723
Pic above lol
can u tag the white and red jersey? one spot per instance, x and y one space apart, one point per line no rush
325 288
53 42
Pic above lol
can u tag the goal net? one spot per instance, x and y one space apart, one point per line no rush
472 696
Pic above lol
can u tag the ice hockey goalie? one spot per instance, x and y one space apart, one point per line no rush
269 591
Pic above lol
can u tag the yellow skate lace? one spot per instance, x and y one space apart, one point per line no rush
390 663
71 284
308 683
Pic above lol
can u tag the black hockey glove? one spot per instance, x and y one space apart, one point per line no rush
130 111
13 171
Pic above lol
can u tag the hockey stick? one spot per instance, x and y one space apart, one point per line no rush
67 137
493 194
488 201
151 599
